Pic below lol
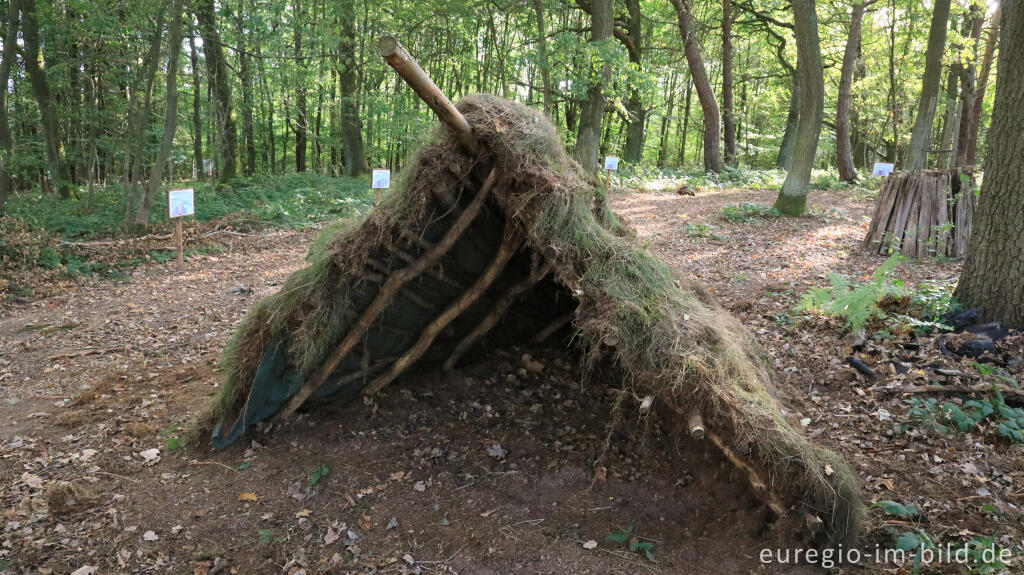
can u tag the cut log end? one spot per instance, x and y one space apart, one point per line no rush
388 46
695 424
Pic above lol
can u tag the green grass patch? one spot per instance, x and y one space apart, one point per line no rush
746 212
292 200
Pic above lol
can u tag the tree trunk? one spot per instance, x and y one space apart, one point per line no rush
785 157
705 92
301 124
170 118
993 275
666 119
688 100
968 86
728 125
197 122
135 155
216 66
542 55
245 77
971 147
588 134
636 114
921 137
844 149
351 124
792 198
6 138
37 77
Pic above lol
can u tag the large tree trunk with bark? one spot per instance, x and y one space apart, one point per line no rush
170 118
351 125
705 92
921 137
37 77
784 159
588 134
971 145
993 275
6 138
728 123
217 67
792 198
844 149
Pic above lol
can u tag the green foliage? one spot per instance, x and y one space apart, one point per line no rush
856 303
747 212
897 509
984 555
293 200
625 538
319 473
933 299
1007 421
268 536
702 231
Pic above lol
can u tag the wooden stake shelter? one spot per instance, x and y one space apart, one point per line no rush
491 235
923 213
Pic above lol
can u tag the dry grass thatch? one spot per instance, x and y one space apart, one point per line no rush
664 334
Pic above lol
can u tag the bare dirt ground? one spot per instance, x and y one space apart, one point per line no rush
506 467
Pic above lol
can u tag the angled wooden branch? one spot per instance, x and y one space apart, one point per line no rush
511 242
398 58
496 313
387 292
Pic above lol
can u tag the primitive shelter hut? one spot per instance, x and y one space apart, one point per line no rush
492 225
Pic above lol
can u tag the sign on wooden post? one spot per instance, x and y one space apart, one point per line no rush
882 169
381 181
180 203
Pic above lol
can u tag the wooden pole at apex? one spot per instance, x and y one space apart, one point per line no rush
398 58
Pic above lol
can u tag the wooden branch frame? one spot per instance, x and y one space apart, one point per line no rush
511 242
387 293
497 312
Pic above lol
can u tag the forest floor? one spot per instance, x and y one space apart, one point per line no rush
507 466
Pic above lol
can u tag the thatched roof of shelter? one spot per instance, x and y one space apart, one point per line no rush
508 237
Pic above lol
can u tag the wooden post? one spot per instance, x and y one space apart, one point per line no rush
398 58
179 239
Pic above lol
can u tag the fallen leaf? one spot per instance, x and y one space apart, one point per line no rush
300 514
85 570
248 497
364 523
331 536
33 481
150 536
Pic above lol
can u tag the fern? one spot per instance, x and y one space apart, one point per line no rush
857 304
